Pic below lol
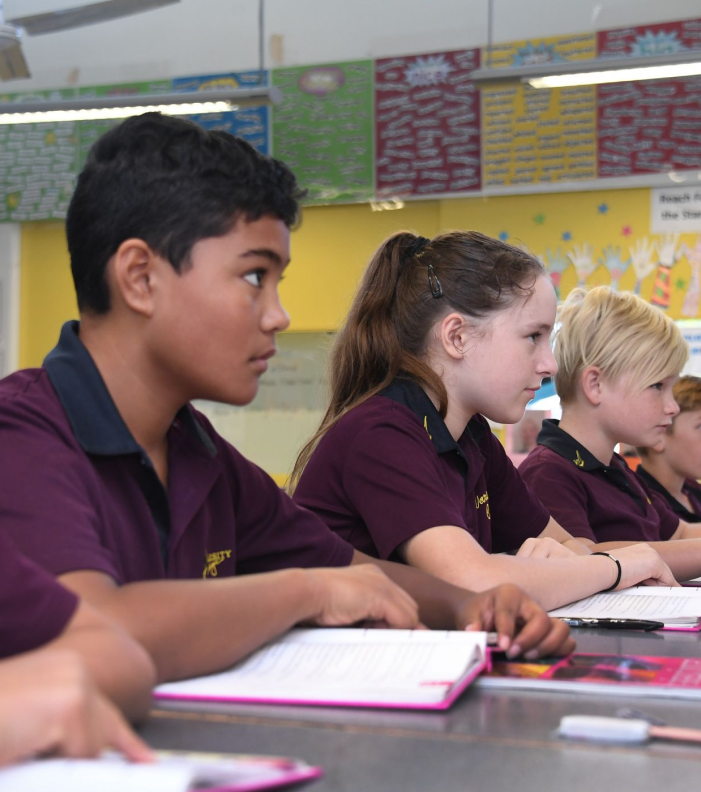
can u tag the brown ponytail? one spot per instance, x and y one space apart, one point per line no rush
398 302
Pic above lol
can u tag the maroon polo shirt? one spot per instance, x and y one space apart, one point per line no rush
390 469
34 607
80 493
691 489
604 503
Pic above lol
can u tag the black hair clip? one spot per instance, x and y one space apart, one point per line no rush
434 284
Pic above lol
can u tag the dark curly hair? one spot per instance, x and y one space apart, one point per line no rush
171 183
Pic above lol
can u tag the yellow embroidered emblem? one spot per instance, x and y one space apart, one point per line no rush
578 460
426 427
212 562
483 500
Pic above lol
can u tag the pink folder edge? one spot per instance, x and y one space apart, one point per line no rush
446 703
291 777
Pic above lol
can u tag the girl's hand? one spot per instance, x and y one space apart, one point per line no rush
641 564
544 547
523 627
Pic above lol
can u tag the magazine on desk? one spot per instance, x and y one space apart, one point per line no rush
611 675
171 772
411 669
677 608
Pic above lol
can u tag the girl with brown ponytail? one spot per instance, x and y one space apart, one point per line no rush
442 333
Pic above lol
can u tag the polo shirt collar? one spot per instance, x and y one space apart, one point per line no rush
92 414
556 439
409 393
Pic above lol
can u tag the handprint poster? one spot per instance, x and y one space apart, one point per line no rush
594 238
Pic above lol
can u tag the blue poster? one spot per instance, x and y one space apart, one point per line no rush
250 123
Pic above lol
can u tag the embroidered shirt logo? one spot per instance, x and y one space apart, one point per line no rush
426 427
212 562
483 500
578 460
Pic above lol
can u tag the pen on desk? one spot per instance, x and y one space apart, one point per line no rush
616 624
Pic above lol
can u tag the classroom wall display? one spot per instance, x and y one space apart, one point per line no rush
591 239
37 163
323 129
532 136
649 126
250 123
40 162
427 124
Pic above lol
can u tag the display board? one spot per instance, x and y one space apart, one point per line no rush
427 124
655 125
323 129
534 136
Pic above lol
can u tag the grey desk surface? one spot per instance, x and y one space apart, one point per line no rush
489 741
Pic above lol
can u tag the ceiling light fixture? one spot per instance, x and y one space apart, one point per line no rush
564 74
116 107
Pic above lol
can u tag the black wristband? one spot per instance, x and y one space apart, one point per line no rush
618 566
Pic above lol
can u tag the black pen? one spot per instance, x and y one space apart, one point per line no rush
616 624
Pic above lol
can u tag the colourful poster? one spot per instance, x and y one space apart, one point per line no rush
427 124
534 135
649 126
323 129
38 165
250 123
90 131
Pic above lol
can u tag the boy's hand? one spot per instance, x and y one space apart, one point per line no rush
360 593
50 706
522 625
641 564
544 547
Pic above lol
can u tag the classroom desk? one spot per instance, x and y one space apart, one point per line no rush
488 742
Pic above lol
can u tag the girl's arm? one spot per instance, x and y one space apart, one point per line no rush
449 552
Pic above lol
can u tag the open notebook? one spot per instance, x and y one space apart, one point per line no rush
610 675
677 608
172 772
417 669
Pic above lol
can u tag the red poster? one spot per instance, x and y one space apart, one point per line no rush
427 124
655 125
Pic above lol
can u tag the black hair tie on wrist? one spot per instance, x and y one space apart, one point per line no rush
618 565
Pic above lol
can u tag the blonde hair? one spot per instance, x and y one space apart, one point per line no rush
619 333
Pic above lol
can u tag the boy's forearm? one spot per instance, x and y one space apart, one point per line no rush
439 602
120 667
192 627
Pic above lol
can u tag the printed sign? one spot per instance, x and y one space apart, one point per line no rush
675 209
427 124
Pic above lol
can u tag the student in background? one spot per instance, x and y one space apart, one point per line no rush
618 359
178 239
63 652
441 333
673 465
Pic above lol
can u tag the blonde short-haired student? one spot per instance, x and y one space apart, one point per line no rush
618 359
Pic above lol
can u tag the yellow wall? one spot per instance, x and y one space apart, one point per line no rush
333 245
46 290
330 251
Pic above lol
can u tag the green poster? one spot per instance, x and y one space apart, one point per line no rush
37 164
323 130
